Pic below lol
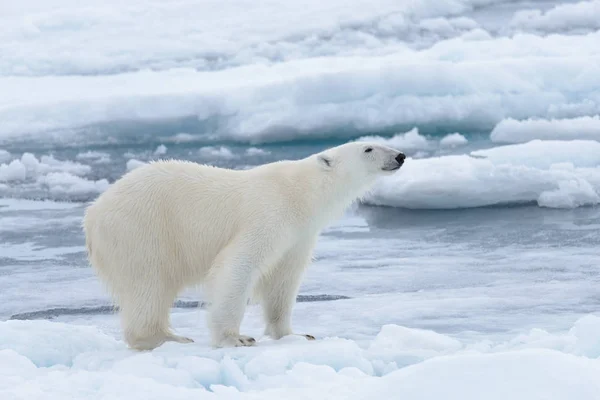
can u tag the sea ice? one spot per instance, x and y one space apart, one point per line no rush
551 173
453 140
448 83
409 142
576 16
4 156
255 151
160 150
133 164
50 360
215 152
59 177
513 131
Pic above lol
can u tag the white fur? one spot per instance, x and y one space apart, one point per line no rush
172 224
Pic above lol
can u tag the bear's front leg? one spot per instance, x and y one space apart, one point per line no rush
279 289
234 272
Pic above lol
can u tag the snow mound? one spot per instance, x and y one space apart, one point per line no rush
49 360
215 152
133 164
160 150
4 155
255 151
409 142
96 157
446 84
453 140
558 174
561 18
58 177
28 166
513 131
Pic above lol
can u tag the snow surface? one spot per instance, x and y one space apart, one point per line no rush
487 303
51 360
58 177
514 131
4 155
578 17
133 164
278 72
556 174
551 173
96 157
216 152
453 140
255 151
409 142
161 150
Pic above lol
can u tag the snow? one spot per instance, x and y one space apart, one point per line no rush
579 16
258 77
4 155
255 151
487 303
58 177
557 174
160 150
453 140
41 359
133 164
108 37
59 183
28 166
97 157
410 141
514 131
215 152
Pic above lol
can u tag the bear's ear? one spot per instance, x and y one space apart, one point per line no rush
324 161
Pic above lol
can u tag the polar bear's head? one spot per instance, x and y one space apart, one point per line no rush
346 172
361 161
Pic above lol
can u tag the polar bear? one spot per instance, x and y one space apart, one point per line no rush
240 233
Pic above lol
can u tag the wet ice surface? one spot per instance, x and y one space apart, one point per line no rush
506 294
500 292
479 271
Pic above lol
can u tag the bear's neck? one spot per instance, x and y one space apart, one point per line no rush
330 196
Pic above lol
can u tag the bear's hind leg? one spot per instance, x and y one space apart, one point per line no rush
145 317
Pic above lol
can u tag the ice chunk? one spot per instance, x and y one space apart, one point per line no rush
570 194
4 156
14 171
447 83
545 153
551 173
133 164
514 131
561 18
160 150
56 174
59 183
408 141
216 152
51 343
453 140
255 151
56 358
97 157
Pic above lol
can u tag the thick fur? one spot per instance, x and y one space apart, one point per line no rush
173 224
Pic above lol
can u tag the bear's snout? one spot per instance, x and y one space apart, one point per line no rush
400 158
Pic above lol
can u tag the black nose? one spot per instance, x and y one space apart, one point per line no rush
400 158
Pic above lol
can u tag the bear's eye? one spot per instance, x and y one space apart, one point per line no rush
368 149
